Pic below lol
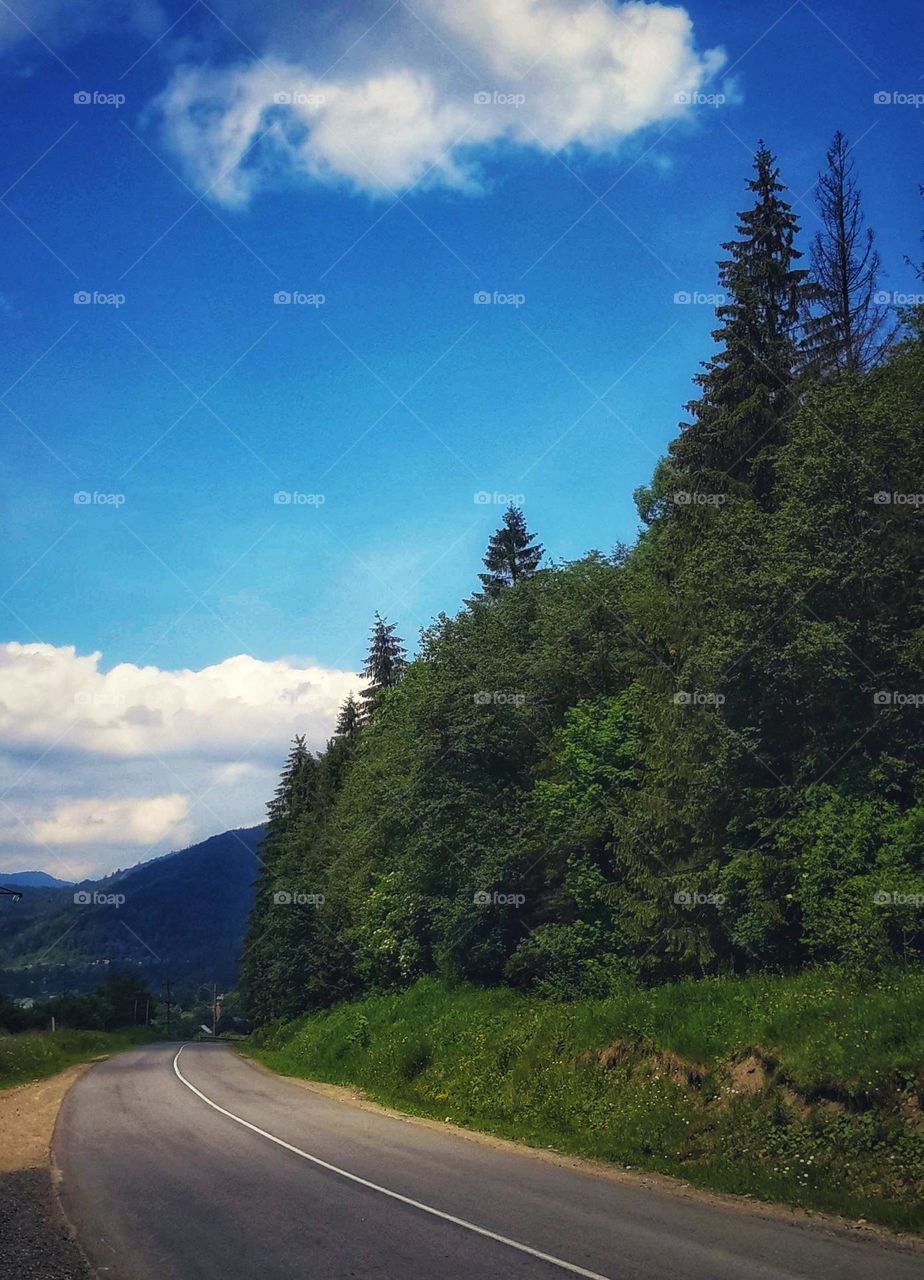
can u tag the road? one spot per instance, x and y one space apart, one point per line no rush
197 1166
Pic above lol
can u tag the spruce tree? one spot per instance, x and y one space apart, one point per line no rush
512 555
266 955
746 389
291 793
384 665
843 327
349 719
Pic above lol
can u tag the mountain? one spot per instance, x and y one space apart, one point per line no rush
32 880
180 918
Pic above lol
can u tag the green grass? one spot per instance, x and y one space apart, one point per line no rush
32 1055
836 1127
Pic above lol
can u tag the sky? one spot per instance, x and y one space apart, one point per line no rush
295 300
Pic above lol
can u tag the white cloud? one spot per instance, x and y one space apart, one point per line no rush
536 73
129 820
102 768
131 711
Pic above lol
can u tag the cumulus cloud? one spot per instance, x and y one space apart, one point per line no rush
131 711
126 821
101 768
551 74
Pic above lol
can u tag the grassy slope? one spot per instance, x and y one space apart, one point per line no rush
836 1127
31 1055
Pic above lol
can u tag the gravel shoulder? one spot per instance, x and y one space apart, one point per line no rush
37 1242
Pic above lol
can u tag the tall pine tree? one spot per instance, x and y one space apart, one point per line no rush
843 326
385 664
746 389
349 719
291 794
264 961
512 554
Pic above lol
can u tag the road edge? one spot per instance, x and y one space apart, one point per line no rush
48 1227
57 1173
857 1231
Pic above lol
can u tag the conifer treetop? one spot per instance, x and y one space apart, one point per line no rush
349 718
746 388
843 321
385 663
512 554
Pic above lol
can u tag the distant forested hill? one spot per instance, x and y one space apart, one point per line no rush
180 917
32 880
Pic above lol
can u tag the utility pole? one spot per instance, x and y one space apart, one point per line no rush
216 1010
168 1002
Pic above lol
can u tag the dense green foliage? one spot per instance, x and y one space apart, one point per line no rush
700 755
802 1088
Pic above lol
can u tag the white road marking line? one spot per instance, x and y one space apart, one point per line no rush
394 1195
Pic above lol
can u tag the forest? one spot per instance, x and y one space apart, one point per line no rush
698 755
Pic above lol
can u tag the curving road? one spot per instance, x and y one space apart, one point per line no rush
196 1166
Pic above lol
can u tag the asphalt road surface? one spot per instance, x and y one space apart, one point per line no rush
197 1166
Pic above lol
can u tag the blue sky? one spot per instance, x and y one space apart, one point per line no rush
188 392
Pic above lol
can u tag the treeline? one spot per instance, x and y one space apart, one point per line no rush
700 754
122 1000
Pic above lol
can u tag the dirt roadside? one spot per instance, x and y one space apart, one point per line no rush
36 1241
